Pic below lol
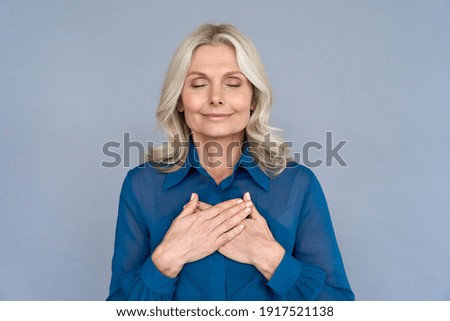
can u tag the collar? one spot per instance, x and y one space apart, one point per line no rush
246 161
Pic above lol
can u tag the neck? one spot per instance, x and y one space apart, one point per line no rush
218 156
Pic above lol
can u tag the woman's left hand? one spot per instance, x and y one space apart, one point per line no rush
255 245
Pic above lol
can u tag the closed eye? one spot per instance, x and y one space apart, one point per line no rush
233 82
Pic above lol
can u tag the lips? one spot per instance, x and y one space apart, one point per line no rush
216 115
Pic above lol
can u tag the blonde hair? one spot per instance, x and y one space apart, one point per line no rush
271 160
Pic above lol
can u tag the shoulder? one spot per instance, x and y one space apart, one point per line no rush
140 178
142 172
297 174
295 178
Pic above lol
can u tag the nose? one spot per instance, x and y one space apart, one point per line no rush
215 95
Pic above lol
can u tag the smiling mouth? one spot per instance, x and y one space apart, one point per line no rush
216 116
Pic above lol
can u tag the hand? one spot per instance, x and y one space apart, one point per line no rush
255 245
197 233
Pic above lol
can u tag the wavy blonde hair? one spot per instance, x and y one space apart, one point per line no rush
170 157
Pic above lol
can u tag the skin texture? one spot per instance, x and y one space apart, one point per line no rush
195 233
246 246
216 101
216 97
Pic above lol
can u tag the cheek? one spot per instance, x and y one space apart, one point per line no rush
243 99
191 103
243 105
191 107
189 117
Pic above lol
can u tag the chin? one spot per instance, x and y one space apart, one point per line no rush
216 134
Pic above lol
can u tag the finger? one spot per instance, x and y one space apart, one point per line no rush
221 207
259 218
202 206
190 207
228 236
247 197
256 215
228 213
231 222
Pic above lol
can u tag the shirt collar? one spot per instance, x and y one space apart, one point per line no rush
246 161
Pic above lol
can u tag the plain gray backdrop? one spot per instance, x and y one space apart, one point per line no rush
77 74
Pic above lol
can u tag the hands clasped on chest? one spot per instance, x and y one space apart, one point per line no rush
234 228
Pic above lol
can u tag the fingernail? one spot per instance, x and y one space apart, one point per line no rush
247 210
239 202
248 195
248 204
241 227
192 196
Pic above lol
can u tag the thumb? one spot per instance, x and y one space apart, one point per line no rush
191 206
254 212
256 215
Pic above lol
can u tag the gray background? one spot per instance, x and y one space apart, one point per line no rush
77 74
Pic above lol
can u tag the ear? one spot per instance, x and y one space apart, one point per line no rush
180 107
253 102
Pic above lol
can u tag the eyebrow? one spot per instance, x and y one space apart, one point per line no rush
202 74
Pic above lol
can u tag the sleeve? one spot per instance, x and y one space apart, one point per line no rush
134 276
314 271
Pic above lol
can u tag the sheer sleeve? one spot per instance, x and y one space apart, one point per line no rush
134 276
314 271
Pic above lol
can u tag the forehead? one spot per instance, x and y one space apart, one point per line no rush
214 57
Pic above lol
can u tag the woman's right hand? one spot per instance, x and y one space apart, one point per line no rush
196 233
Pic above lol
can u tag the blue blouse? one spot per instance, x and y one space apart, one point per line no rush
292 203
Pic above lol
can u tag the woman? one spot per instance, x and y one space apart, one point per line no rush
218 214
